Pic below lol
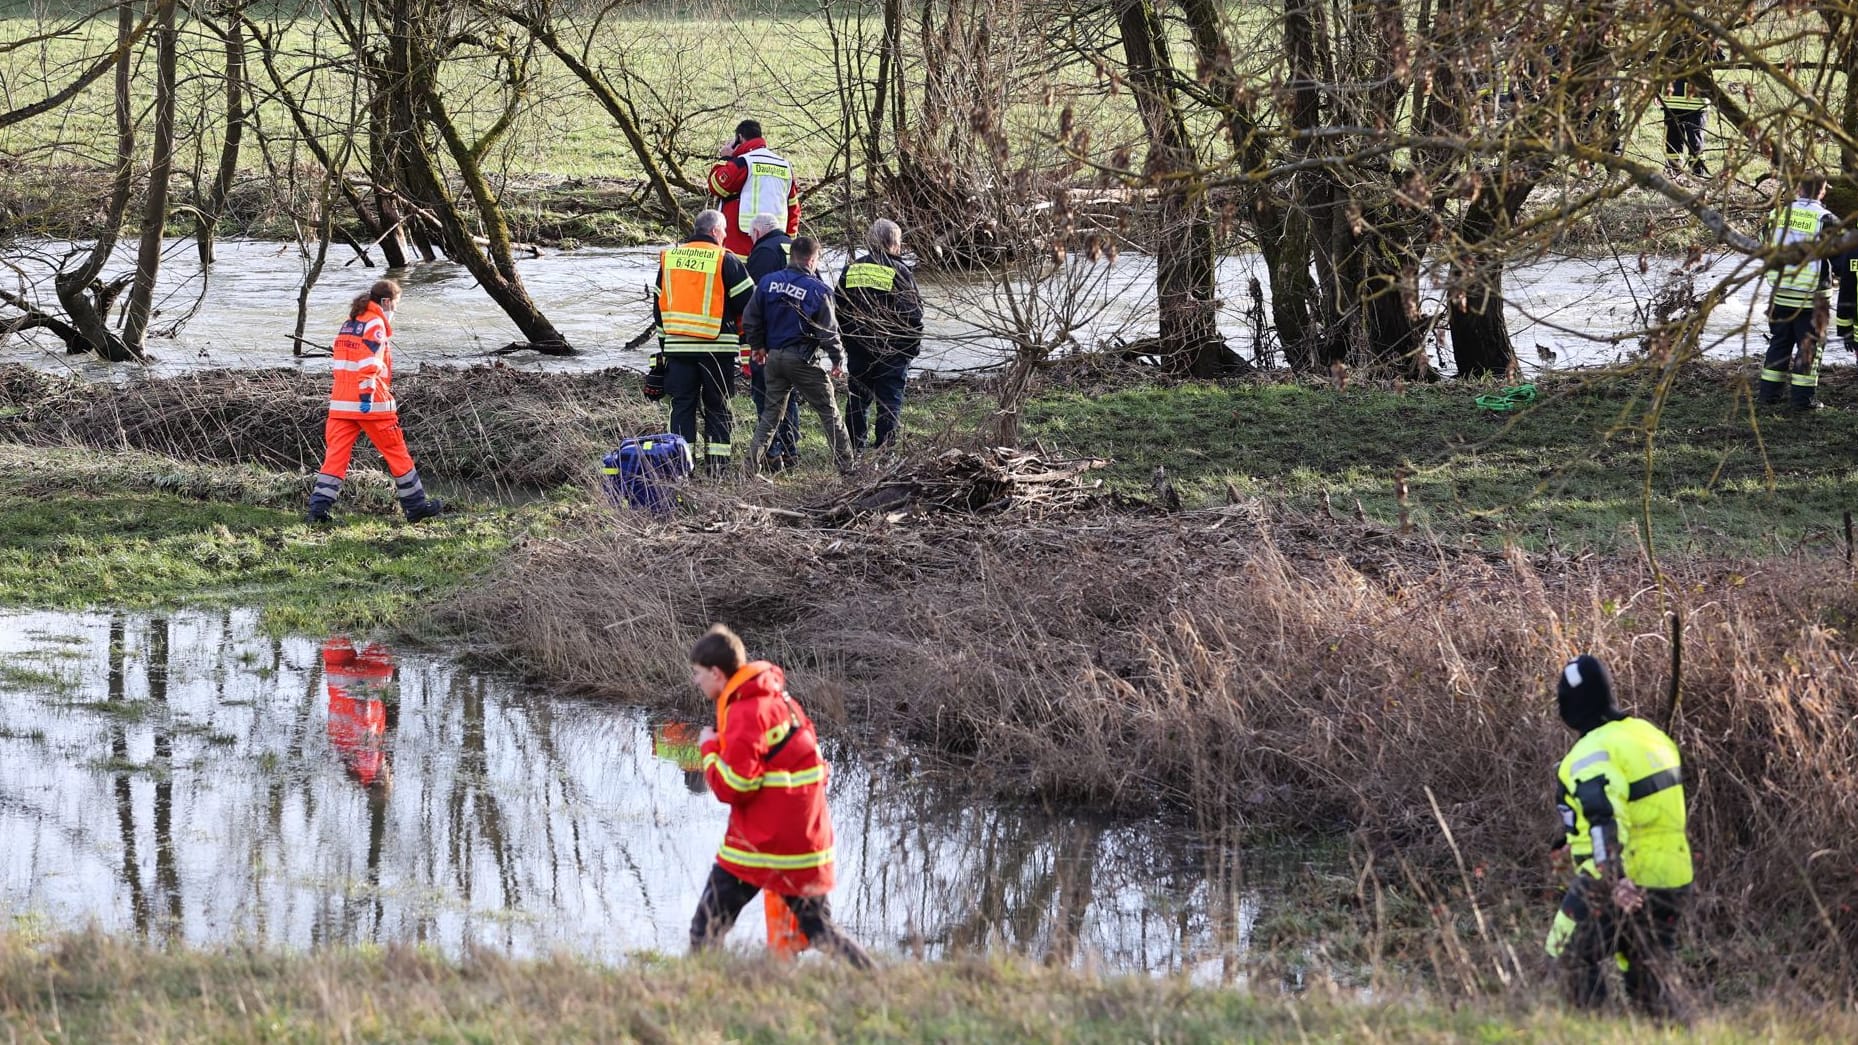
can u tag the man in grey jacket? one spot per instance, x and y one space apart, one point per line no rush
787 324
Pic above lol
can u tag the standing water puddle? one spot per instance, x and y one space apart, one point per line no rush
190 778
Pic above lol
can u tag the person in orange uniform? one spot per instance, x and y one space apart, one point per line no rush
762 759
361 402
753 179
702 291
357 681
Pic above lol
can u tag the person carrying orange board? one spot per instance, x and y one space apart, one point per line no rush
762 760
361 402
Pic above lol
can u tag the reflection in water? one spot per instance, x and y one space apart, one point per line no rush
189 778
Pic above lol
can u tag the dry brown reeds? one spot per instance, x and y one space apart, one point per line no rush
494 425
1257 670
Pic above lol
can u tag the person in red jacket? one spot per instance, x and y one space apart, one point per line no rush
750 180
762 760
361 402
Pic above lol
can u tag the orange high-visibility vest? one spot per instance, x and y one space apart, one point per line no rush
364 364
691 295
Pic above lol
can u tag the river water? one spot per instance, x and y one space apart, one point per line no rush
190 778
1567 308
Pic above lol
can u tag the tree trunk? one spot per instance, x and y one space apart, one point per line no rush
1185 276
1305 326
160 173
1480 332
215 203
539 27
84 298
497 271
416 102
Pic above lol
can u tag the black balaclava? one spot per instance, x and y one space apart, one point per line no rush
1585 694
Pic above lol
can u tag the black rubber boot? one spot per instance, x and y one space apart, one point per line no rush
413 499
425 509
322 498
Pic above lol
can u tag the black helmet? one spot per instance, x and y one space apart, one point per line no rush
1584 694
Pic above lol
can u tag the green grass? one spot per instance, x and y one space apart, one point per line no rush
114 531
1569 473
92 988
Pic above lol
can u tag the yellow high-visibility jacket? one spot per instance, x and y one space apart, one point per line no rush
1625 780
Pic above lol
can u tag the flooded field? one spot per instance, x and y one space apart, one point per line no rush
1570 309
189 778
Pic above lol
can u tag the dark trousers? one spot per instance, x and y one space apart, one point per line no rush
724 896
1683 132
702 382
1794 348
1643 942
877 387
786 441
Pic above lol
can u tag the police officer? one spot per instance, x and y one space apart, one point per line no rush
702 292
770 255
1794 343
1622 814
789 321
882 315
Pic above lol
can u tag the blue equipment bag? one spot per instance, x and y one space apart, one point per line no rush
644 472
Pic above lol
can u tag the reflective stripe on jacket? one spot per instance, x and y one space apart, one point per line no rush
1683 96
880 309
364 365
1640 782
1798 222
764 763
702 290
740 195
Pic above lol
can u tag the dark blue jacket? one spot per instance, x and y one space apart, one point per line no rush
792 309
770 255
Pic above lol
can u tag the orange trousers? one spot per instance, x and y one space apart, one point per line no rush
339 437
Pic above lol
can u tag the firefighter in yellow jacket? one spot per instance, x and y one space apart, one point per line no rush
1622 813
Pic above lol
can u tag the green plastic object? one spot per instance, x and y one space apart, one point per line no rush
1507 399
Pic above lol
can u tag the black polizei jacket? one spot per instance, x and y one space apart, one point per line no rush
880 309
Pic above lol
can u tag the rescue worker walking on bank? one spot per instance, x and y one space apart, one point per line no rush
881 316
753 179
789 322
361 402
771 254
762 759
1622 813
1686 110
1796 318
702 291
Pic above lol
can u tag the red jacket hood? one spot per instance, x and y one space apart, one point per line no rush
750 146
